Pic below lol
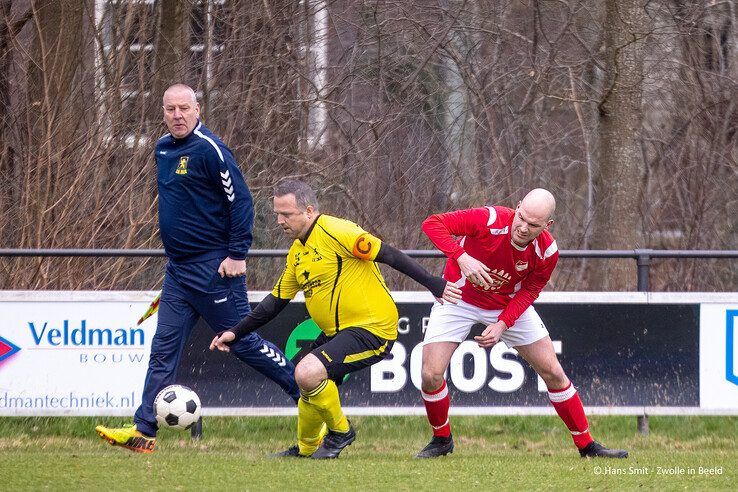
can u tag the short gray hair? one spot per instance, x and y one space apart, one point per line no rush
304 195
182 88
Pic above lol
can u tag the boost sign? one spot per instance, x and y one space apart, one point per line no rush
616 355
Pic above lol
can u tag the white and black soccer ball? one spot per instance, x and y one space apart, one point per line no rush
177 406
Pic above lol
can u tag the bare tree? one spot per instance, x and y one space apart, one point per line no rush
393 110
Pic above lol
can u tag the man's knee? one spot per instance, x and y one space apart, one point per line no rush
554 377
309 373
431 377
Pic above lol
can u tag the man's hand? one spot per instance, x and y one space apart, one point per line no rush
491 335
451 293
221 341
475 271
232 268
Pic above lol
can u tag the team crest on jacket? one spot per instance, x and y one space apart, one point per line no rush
521 265
182 168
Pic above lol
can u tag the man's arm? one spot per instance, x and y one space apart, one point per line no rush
263 313
439 287
441 229
240 210
530 288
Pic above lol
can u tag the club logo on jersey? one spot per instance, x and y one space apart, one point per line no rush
308 285
363 247
7 348
520 265
499 279
317 256
182 167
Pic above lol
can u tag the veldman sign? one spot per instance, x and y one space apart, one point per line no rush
616 354
72 358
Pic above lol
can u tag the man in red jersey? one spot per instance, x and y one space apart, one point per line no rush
501 261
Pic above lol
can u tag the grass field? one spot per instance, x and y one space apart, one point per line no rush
523 453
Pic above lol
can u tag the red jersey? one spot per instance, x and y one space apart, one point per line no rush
518 274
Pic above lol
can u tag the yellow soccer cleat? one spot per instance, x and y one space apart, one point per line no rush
128 437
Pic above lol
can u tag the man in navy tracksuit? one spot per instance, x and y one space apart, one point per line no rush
205 220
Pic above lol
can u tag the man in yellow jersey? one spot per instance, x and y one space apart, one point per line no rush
332 261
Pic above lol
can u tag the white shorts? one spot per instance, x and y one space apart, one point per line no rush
452 323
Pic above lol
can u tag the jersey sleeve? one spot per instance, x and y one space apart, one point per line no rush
530 288
287 286
229 180
355 241
441 228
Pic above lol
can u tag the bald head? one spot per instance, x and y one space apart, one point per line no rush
532 216
539 202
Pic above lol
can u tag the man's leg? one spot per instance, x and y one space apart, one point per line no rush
352 349
436 357
448 326
564 397
224 305
321 393
175 321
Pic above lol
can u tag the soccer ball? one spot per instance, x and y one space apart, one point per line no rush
177 406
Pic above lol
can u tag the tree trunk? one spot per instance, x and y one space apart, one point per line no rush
56 107
172 51
620 168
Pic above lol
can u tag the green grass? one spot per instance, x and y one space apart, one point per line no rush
523 453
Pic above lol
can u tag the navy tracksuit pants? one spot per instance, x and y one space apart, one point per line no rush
192 290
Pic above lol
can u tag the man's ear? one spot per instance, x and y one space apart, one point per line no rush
549 224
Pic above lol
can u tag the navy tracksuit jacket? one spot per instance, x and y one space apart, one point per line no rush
205 214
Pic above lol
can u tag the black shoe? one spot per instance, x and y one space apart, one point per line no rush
293 452
438 446
333 443
597 450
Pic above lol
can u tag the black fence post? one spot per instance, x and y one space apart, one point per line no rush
643 260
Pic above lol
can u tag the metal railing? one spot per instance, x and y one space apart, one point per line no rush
643 257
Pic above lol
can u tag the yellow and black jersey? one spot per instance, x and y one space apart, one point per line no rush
343 286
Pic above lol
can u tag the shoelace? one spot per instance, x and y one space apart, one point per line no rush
332 438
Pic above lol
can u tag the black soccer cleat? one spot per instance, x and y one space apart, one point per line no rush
438 446
597 450
291 452
333 444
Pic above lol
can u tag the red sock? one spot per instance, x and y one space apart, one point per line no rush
569 407
436 407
